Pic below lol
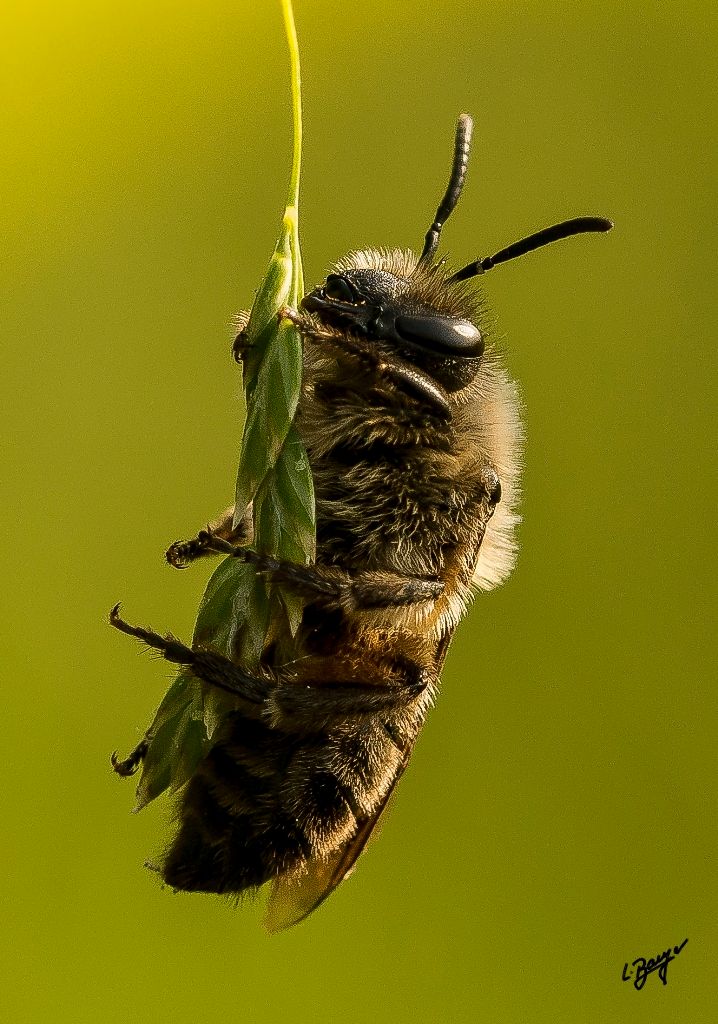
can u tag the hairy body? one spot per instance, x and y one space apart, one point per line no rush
415 507
412 430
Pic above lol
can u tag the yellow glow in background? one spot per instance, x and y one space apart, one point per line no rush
558 818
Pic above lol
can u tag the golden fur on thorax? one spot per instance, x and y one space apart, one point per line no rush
486 429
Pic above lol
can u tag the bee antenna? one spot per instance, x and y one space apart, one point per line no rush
462 144
563 230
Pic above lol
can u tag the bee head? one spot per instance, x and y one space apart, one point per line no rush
412 306
386 307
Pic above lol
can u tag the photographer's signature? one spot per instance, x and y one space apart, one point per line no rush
645 967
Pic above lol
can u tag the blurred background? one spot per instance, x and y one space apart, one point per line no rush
559 815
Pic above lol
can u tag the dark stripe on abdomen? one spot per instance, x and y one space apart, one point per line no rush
233 832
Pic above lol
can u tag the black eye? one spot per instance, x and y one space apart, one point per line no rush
338 288
441 335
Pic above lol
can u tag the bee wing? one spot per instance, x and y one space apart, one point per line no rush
294 898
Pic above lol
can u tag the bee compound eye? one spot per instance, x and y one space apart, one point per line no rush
442 335
337 287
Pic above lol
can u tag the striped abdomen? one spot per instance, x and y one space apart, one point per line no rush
265 801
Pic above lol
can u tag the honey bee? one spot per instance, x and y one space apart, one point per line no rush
414 438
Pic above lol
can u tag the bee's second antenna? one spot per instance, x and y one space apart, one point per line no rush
576 226
462 144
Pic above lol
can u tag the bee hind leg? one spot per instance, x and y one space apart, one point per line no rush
209 666
290 698
323 704
129 765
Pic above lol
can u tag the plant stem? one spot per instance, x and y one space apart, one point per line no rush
291 215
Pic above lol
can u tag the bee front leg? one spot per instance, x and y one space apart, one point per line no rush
182 552
241 344
351 591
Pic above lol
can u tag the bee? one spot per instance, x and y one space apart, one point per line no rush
414 438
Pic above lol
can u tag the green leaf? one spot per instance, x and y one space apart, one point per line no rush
177 738
272 405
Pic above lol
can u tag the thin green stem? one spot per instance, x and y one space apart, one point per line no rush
292 43
291 215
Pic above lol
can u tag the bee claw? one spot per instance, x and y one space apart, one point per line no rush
129 765
289 313
240 347
175 556
182 552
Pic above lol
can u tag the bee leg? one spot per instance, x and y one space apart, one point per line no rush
209 666
323 703
241 344
130 764
306 325
292 698
361 590
182 552
388 590
365 353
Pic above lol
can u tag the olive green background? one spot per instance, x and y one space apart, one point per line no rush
558 818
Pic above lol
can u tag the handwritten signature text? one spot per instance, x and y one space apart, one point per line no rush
644 966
